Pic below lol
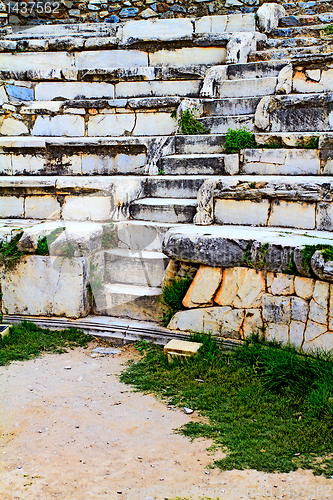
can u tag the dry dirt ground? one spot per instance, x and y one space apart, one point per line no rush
71 430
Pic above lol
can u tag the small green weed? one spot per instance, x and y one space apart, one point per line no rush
269 407
329 29
172 297
44 242
271 144
27 340
238 139
188 125
109 237
161 171
308 143
9 252
309 250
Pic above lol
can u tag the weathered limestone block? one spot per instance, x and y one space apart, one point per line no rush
104 59
154 124
225 24
270 257
303 85
301 265
324 216
159 29
241 287
313 330
299 309
187 56
123 193
81 208
285 213
281 284
296 333
276 309
11 206
322 342
321 293
47 286
203 287
222 321
81 239
61 125
321 267
285 80
252 322
262 116
42 207
11 126
269 15
304 287
111 124
318 313
242 212
47 91
277 333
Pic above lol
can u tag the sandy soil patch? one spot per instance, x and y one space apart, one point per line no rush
71 430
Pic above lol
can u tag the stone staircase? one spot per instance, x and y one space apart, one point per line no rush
92 137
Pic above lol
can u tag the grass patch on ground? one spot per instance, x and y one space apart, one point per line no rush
268 407
27 340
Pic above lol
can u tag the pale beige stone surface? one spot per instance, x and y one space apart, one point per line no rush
11 206
299 309
42 207
318 313
241 287
276 332
182 347
188 56
252 322
323 342
313 330
60 125
46 91
282 284
110 59
321 292
203 287
245 212
292 214
154 124
47 286
304 287
296 333
11 126
159 29
95 208
111 124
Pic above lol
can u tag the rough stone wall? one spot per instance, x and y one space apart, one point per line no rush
238 302
113 11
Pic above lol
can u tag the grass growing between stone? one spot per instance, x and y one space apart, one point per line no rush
27 340
268 407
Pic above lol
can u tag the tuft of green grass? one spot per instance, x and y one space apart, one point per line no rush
329 29
270 408
44 242
172 297
238 139
27 340
188 125
9 251
309 250
271 144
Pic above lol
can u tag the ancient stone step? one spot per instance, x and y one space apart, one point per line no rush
140 267
171 210
281 43
298 31
251 87
306 20
261 69
298 112
221 124
175 186
130 301
284 162
203 144
262 247
290 201
230 107
197 164
286 53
